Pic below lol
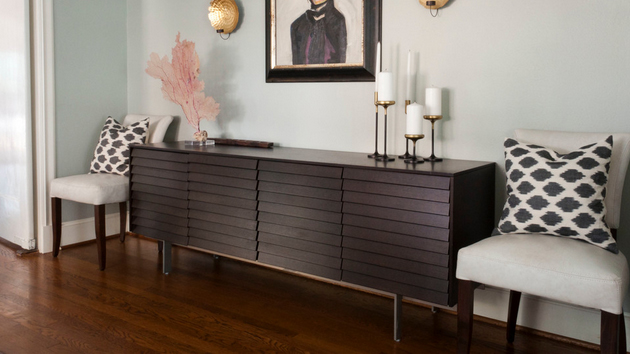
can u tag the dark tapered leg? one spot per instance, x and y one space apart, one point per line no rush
465 300
610 330
515 300
123 220
99 223
160 246
56 224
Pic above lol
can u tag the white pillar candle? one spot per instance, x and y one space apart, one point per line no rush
415 112
385 86
433 101
378 66
408 96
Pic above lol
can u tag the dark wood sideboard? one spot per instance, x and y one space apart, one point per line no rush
392 226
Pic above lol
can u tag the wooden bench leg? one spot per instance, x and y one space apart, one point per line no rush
56 224
123 220
514 302
465 301
99 222
611 327
622 334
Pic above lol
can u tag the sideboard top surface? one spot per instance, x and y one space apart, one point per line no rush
448 167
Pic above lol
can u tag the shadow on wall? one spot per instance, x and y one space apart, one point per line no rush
173 129
241 14
219 80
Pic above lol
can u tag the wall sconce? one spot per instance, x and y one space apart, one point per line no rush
433 4
223 15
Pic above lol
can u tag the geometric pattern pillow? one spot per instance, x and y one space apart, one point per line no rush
111 154
558 194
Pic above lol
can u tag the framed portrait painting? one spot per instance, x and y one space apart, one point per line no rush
322 40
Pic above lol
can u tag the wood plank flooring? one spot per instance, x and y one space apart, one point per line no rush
208 305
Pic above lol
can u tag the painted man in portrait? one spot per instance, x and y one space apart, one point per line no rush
319 35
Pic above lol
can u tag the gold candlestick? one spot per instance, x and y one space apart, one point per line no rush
414 159
433 119
406 155
375 155
384 157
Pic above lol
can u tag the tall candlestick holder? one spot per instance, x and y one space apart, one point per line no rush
433 119
406 155
384 157
375 155
414 159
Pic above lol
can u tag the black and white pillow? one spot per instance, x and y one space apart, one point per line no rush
112 151
556 194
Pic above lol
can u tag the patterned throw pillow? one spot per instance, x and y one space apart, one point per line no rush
112 151
555 194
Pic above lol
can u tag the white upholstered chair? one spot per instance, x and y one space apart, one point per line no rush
100 189
557 268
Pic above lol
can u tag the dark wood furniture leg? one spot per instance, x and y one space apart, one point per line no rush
465 303
611 326
160 246
56 223
99 223
515 300
123 220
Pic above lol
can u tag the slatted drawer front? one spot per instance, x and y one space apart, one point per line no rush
159 192
299 213
222 205
396 232
397 178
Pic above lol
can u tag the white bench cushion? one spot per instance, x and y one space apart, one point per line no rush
96 189
553 267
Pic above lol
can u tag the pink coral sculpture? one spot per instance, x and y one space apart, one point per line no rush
180 83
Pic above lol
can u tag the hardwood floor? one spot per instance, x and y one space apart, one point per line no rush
66 305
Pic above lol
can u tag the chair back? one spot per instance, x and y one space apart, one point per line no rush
157 125
564 142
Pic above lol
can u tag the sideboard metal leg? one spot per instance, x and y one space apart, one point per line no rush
166 257
397 316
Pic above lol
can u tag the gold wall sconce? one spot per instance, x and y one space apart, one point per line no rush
433 4
223 15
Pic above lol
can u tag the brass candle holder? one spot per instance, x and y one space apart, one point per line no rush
375 155
384 157
406 155
414 159
433 119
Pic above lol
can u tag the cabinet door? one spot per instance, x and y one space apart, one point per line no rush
396 230
159 192
222 205
300 217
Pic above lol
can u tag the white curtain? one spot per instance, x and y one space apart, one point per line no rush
16 169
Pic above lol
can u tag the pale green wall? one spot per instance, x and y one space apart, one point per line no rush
90 82
560 65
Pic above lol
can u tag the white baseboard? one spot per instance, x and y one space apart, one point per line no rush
543 314
79 231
